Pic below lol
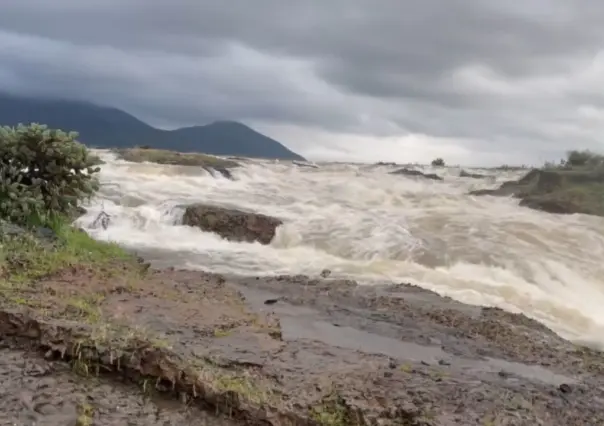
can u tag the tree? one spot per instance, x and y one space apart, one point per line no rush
583 158
43 173
438 162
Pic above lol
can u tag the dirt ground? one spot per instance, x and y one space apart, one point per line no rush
35 391
168 347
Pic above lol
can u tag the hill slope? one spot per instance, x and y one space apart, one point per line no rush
105 127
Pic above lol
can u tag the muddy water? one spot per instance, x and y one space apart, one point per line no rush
366 224
35 392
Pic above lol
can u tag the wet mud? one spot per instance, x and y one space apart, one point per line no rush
291 350
39 392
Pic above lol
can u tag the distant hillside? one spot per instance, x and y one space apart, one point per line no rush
104 127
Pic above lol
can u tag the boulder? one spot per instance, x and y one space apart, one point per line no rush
232 224
416 173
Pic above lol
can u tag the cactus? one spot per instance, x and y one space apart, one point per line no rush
43 172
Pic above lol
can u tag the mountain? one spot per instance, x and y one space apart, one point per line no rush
105 127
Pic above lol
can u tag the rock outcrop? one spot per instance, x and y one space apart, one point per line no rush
303 164
560 191
223 171
173 158
416 173
463 173
232 224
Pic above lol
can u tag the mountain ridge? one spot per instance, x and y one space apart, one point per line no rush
102 126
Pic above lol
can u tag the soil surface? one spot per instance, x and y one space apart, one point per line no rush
288 350
35 391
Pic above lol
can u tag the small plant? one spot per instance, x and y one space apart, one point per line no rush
43 173
438 162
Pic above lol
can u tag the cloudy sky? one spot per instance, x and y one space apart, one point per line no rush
473 81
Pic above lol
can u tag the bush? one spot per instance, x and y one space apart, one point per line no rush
43 173
438 162
583 158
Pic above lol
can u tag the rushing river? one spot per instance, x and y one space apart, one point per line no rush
363 223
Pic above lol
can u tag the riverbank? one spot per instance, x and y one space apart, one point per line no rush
576 185
288 350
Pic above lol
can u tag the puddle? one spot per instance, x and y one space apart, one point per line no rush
350 338
299 322
530 372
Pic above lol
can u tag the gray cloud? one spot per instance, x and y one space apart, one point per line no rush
521 79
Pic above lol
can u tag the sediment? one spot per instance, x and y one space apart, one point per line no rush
289 350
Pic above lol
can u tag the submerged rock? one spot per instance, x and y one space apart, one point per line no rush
416 173
303 164
226 173
463 173
232 224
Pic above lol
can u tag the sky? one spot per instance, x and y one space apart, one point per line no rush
476 82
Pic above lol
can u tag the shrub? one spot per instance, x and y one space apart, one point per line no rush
438 162
583 158
43 173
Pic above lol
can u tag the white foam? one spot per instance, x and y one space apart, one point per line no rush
363 223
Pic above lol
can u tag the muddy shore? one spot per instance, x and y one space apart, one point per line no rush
185 347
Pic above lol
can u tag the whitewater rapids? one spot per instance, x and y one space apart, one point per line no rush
365 224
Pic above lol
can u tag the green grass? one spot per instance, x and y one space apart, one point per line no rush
160 156
85 414
26 258
26 263
333 411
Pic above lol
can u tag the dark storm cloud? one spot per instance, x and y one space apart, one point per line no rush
495 76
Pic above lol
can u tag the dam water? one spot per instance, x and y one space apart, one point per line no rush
365 224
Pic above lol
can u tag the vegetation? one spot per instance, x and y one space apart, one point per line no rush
57 280
160 156
578 159
44 173
438 162
573 185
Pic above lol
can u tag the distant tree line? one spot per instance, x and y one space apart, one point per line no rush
579 158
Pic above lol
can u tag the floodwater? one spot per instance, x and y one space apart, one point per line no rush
365 224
